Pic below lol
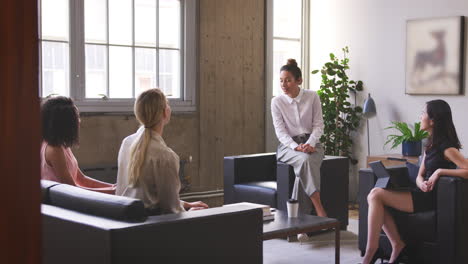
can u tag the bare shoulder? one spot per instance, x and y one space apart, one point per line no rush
54 154
455 156
53 151
452 153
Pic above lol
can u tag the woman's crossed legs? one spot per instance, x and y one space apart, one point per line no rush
379 217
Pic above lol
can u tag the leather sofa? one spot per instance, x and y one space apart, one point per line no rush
438 236
260 178
81 226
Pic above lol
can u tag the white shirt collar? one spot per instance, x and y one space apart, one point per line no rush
297 98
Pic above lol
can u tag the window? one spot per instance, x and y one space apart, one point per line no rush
287 37
287 40
104 53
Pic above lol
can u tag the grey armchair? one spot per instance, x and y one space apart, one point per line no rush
259 178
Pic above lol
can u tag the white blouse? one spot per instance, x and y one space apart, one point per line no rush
295 116
159 185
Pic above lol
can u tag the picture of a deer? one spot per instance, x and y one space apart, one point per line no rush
435 57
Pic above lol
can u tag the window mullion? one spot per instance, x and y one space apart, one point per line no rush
77 50
305 43
157 44
133 50
39 17
107 50
181 51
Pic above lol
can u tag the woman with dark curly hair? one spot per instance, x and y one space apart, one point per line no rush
60 129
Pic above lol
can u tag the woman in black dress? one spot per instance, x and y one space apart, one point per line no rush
441 157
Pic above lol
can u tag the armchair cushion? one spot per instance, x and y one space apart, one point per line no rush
258 192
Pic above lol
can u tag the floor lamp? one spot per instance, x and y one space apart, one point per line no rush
369 111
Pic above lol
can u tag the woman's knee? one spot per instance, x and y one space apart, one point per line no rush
375 194
308 159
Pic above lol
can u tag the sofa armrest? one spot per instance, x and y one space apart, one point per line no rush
452 216
95 203
247 168
285 178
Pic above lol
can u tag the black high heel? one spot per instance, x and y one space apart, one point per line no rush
399 258
376 257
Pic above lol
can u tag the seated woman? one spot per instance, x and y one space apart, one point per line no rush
441 157
60 129
148 168
297 118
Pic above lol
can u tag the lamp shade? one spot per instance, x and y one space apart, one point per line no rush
369 109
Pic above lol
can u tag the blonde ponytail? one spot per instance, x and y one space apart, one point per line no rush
149 108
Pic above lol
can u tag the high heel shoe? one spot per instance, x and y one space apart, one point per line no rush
399 258
376 257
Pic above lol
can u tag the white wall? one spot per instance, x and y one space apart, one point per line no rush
375 31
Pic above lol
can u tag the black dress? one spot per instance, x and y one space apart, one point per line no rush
435 159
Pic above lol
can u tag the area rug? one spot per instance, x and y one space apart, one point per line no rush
319 249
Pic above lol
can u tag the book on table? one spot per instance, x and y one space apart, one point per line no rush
268 212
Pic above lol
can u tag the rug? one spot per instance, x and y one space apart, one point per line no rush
320 249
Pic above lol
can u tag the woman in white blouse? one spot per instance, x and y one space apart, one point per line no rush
148 169
298 122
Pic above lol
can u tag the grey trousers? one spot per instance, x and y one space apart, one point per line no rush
307 170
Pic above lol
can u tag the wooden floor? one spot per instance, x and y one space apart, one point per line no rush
353 211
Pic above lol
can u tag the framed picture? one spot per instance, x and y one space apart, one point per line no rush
434 56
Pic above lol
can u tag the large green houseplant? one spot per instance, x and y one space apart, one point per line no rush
340 117
411 140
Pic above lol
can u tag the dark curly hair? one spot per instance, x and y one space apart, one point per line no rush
60 122
291 66
444 130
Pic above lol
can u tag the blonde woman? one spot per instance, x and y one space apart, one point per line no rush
148 168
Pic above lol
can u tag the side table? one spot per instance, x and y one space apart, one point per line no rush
386 162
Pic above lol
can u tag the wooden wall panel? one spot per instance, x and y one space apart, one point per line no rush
20 221
207 88
231 84
254 82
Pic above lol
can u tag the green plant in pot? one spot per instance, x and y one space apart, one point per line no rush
340 117
411 140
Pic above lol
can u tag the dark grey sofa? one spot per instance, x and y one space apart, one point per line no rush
81 226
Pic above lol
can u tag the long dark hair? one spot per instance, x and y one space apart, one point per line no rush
443 131
60 122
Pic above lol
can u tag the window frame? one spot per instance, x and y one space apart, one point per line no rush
77 81
271 142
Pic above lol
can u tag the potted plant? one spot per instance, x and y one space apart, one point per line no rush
410 140
340 116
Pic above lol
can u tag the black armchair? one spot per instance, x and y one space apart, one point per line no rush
259 178
438 236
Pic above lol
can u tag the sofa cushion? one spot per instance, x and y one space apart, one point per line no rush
95 203
45 186
261 192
